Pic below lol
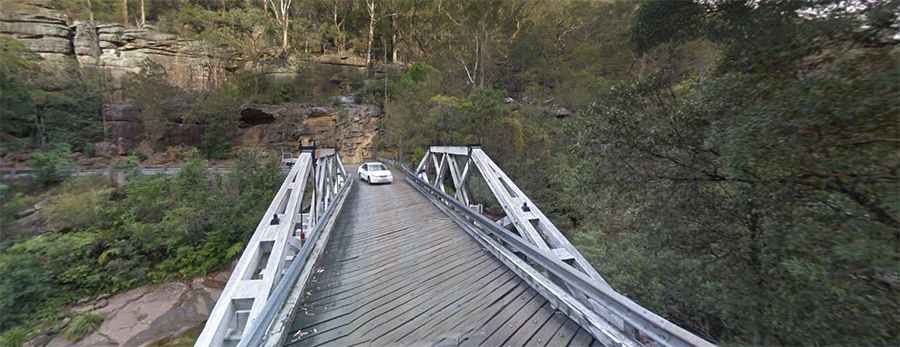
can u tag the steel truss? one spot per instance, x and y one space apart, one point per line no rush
295 214
521 213
526 241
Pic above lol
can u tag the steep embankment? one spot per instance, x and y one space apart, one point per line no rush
117 51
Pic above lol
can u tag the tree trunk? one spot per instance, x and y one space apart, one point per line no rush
143 15
125 12
90 10
395 28
285 27
370 4
282 11
339 39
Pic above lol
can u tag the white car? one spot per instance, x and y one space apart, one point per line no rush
374 172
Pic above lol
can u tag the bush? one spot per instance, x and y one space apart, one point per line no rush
82 325
14 337
53 165
75 210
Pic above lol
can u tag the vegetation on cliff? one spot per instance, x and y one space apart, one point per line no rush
732 165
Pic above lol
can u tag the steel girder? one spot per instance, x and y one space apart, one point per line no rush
526 217
546 259
294 212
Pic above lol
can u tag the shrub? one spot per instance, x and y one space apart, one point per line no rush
14 337
75 210
82 325
53 165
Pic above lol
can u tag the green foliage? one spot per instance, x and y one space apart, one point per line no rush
11 204
756 208
79 204
163 104
155 228
14 337
42 105
53 165
82 325
219 111
658 22
15 99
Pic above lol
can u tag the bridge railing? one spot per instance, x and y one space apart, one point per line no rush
573 287
262 332
282 247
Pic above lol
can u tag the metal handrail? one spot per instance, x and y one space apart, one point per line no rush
258 328
648 323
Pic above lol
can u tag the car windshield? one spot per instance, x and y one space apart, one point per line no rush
376 167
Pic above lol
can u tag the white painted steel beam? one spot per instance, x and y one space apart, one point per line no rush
273 245
611 318
452 150
521 212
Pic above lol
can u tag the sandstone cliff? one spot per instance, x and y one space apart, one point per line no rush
117 51
111 48
349 127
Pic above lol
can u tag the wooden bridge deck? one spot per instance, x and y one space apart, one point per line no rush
397 271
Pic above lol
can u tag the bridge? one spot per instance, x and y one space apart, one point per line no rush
418 262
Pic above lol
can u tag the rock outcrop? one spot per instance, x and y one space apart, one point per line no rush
123 122
349 127
111 48
147 315
40 28
119 51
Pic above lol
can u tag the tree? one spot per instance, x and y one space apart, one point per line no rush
124 12
757 206
16 105
370 8
143 20
281 9
52 166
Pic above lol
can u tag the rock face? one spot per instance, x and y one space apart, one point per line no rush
41 28
123 122
146 315
350 128
119 51
110 48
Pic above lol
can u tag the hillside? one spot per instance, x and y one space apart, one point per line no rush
732 166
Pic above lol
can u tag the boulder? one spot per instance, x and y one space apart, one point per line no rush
122 112
189 134
319 112
105 149
146 315
561 112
